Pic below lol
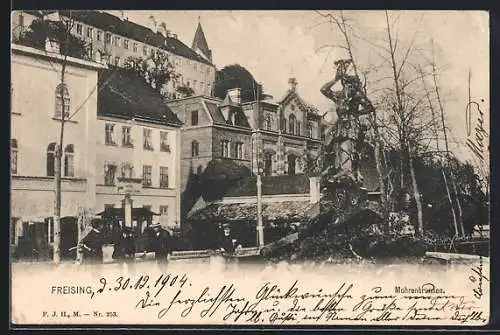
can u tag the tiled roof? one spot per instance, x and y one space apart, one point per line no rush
200 42
114 24
273 211
125 94
271 185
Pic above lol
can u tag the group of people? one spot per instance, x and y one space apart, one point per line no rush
158 240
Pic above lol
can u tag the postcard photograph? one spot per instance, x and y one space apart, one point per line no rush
250 168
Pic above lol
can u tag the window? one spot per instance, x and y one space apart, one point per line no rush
298 128
194 118
291 124
225 148
116 41
110 134
127 170
134 47
145 50
152 52
164 210
117 61
125 44
163 177
51 159
21 20
283 125
164 146
146 175
309 129
148 142
195 149
62 101
107 38
90 32
69 161
239 150
79 28
109 174
99 35
267 122
13 156
126 136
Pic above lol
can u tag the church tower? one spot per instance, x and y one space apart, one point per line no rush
200 44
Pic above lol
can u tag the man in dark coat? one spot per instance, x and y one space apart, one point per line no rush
159 241
125 245
227 244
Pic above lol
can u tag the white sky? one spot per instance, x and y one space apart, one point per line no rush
275 45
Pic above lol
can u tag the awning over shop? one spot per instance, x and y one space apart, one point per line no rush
274 211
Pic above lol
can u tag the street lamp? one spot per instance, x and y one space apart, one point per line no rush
260 226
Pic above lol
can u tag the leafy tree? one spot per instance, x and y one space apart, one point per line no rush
185 91
39 30
157 70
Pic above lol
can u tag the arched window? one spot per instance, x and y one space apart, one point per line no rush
267 122
62 100
51 159
291 124
13 156
309 129
69 161
291 163
194 149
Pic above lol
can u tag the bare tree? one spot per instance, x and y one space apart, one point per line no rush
405 112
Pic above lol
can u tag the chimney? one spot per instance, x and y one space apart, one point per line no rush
314 189
174 36
51 45
235 95
293 83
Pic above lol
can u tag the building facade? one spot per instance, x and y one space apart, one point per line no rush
287 135
137 145
36 110
228 138
116 38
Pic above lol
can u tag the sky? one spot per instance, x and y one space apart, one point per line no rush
277 45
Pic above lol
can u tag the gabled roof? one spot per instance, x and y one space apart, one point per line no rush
125 94
292 93
114 24
271 185
200 42
215 113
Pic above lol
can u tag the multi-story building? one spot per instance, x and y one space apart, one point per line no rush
116 38
137 142
279 135
36 110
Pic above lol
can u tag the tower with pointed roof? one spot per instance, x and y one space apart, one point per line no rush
200 44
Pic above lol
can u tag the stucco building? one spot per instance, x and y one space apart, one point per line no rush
115 39
36 107
137 143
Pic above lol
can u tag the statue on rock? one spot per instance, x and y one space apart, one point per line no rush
345 137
